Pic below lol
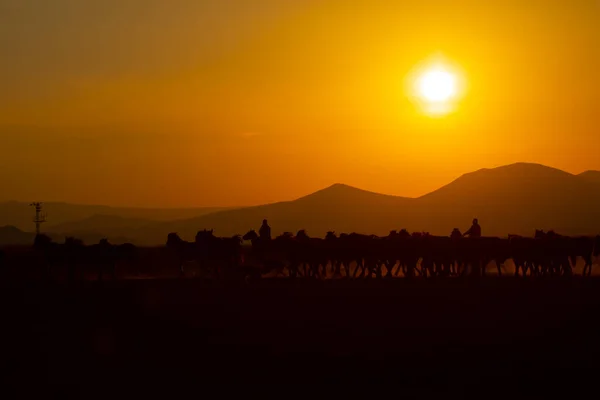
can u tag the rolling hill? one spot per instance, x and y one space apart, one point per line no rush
19 214
590 176
338 207
108 224
11 235
516 198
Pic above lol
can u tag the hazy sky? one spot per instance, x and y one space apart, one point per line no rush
239 102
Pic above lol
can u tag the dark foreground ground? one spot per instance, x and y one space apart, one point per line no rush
494 337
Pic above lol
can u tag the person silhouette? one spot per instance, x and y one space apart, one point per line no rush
265 231
475 230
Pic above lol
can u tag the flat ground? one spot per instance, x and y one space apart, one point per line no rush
500 335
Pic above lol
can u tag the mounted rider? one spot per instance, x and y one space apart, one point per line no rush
265 231
475 230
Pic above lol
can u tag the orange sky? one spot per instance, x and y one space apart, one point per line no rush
197 103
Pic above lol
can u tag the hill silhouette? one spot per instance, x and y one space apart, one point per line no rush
19 214
590 176
338 207
107 224
516 198
11 235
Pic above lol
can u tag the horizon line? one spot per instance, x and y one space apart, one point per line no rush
223 208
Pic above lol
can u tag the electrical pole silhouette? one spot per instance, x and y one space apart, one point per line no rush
39 218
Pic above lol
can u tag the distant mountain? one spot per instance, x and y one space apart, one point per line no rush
10 235
20 215
108 224
13 236
338 207
590 176
116 229
516 198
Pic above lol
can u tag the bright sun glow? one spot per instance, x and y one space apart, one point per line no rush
437 85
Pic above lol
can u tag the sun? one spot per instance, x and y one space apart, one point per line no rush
437 85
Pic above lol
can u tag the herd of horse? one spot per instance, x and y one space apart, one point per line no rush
350 255
420 254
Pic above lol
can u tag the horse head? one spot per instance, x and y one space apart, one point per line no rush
285 236
250 235
41 240
456 233
330 235
204 234
302 234
173 238
403 233
552 234
237 239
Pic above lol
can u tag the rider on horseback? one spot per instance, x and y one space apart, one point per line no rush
265 231
474 231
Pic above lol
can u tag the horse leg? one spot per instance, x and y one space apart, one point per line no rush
338 268
401 268
408 270
346 268
366 272
389 269
588 263
355 269
528 267
292 270
587 268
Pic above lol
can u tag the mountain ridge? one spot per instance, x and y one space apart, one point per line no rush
19 214
515 198
590 176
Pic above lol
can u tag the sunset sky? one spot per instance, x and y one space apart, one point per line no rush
239 102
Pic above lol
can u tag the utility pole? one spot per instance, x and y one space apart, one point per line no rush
40 217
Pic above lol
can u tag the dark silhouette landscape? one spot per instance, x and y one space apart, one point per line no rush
431 313
513 199
323 199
